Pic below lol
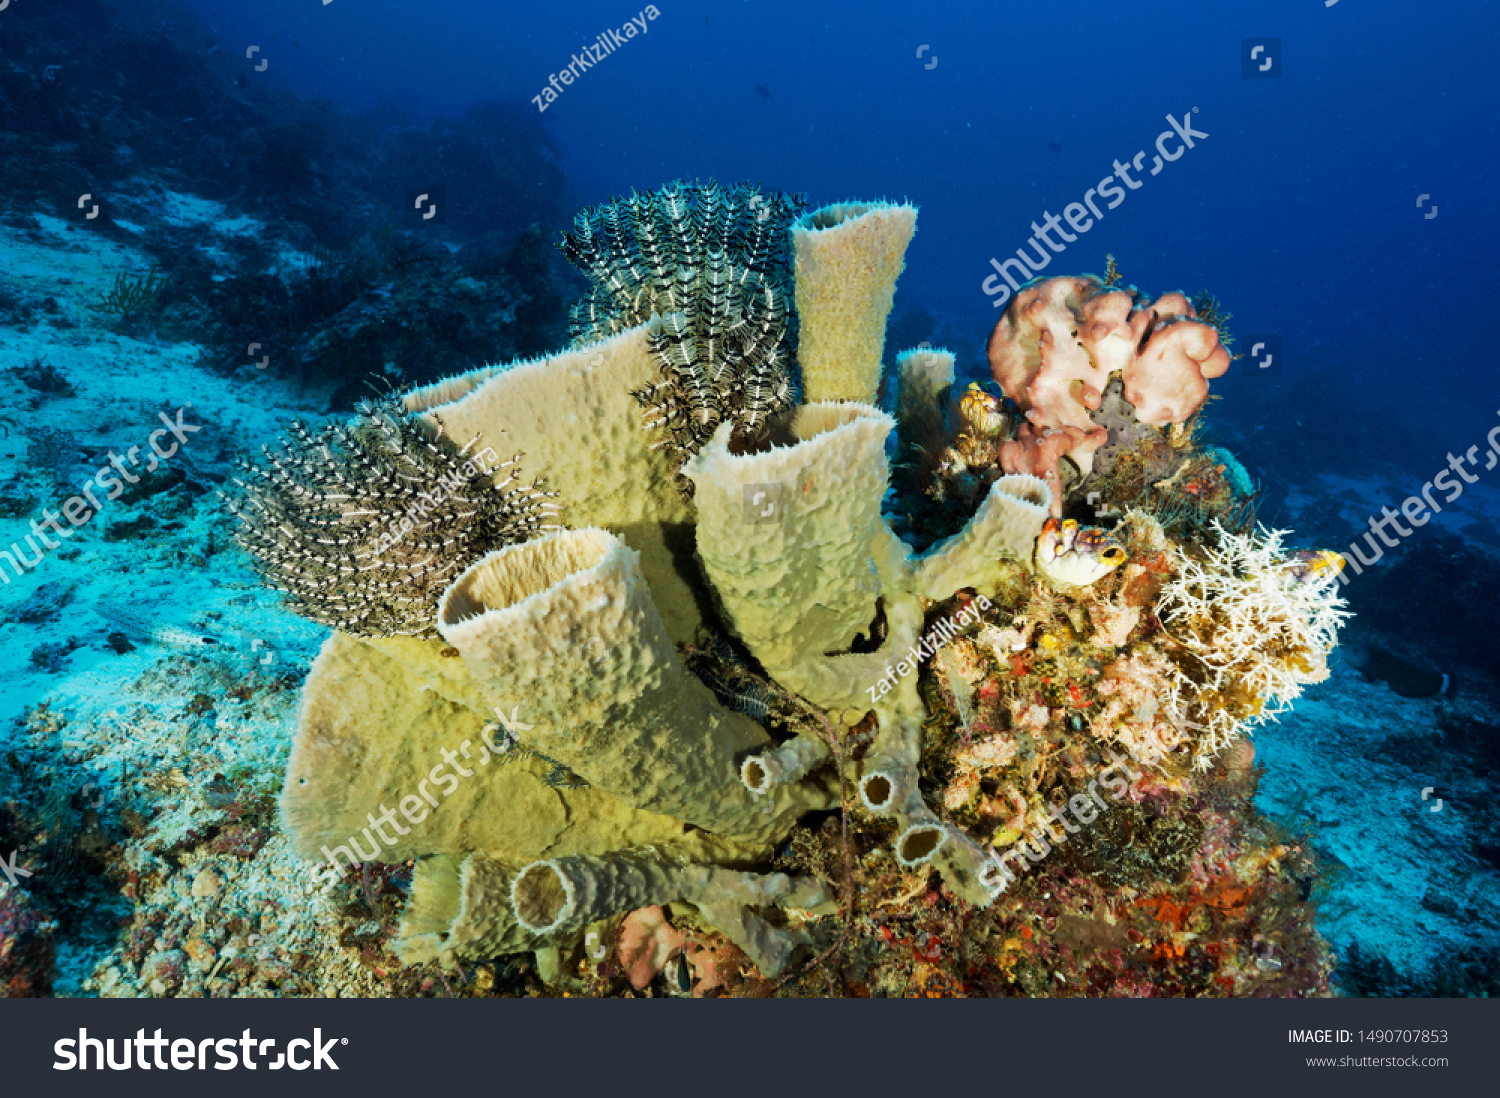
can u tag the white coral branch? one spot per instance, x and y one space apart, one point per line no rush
1249 616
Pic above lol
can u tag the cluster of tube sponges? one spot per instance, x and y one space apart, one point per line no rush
568 644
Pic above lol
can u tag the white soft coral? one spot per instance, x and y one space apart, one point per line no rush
1252 617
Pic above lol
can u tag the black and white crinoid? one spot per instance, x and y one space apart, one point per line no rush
713 262
363 525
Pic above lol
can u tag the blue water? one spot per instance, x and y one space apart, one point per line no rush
1300 210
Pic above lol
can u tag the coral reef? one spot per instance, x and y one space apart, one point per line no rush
719 668
27 952
949 442
1087 444
1250 625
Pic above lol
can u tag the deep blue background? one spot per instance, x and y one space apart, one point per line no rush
1299 210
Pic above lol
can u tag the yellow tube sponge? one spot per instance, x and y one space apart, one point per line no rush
561 896
921 376
385 768
572 417
461 907
436 898
888 786
847 258
831 602
562 635
787 763
797 582
1001 534
618 778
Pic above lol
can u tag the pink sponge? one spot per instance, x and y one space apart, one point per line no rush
1036 451
1169 381
647 943
1062 339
